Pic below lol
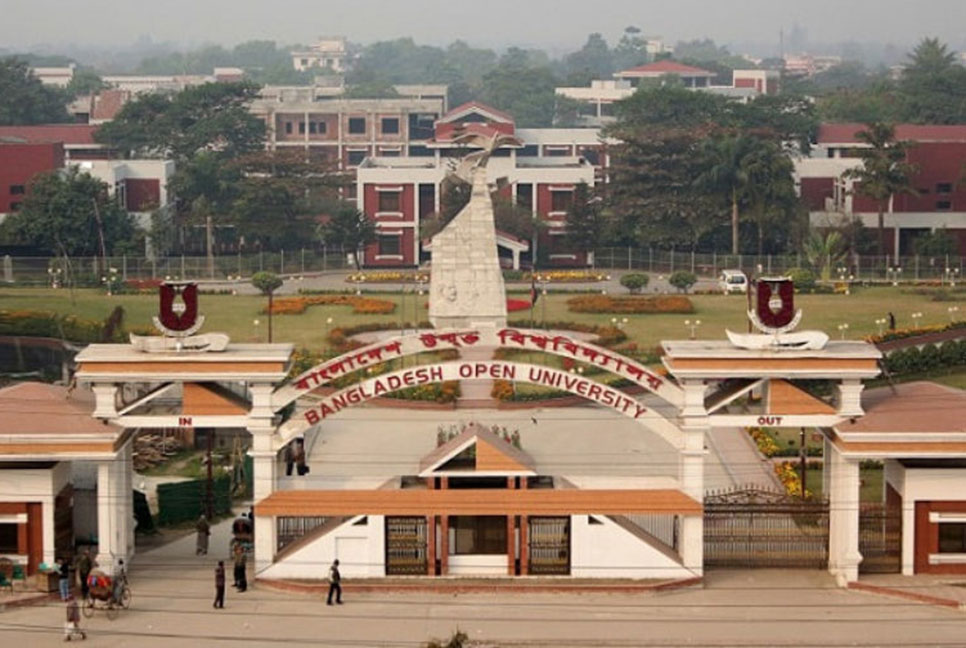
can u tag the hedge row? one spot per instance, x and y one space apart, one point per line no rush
61 327
930 357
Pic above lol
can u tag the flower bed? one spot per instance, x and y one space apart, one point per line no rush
513 305
766 444
790 479
556 276
387 276
360 305
608 304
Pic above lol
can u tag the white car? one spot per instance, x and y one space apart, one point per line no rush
733 281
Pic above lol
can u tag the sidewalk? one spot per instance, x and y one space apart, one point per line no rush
944 590
740 459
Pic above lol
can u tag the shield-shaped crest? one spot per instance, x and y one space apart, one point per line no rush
774 307
178 317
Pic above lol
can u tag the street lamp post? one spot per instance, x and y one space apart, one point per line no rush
952 310
543 280
881 322
693 325
843 329
894 273
915 319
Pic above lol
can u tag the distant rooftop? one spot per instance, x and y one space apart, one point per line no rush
848 133
660 68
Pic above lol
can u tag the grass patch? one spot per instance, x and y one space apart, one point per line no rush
236 314
870 489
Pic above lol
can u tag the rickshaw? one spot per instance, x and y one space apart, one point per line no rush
100 587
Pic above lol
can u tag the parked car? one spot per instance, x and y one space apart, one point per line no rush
733 281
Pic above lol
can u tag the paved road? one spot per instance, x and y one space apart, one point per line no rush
173 591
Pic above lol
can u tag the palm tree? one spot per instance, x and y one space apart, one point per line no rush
726 174
770 188
884 171
824 252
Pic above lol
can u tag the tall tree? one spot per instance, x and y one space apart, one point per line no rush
70 213
593 61
347 227
770 190
587 224
933 87
727 174
25 100
885 171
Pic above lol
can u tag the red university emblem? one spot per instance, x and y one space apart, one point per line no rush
178 317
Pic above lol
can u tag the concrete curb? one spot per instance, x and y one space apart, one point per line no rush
459 586
37 599
895 592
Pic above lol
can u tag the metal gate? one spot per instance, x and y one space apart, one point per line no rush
880 538
549 545
761 528
406 546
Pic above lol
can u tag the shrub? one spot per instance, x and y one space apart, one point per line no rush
803 278
635 281
608 304
683 280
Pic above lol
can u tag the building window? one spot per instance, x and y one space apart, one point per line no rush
952 538
301 128
389 244
592 156
322 127
356 157
943 205
525 195
17 190
15 206
312 127
944 187
561 201
357 125
288 128
305 62
556 151
389 201
478 534
530 150
390 152
390 125
8 539
420 151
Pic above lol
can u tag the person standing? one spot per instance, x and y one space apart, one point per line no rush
84 566
289 460
219 586
335 583
204 530
64 581
892 321
300 466
241 564
72 624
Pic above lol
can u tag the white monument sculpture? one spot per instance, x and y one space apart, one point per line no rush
466 282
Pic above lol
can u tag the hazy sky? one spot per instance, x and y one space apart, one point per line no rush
552 24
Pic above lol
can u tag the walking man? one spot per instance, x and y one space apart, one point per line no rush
241 564
84 566
72 625
204 530
64 581
335 583
219 586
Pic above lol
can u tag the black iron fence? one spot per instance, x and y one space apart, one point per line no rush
758 528
880 538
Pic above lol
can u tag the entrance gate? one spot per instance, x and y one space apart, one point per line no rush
880 538
549 540
406 553
761 528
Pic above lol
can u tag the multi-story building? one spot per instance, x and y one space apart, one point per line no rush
937 154
328 53
597 100
77 139
55 76
19 163
539 174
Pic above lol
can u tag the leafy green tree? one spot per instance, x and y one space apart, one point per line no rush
932 89
938 243
347 227
84 82
884 172
593 61
787 119
25 100
824 252
631 50
635 281
371 90
770 188
267 283
587 224
527 93
70 213
682 280
209 117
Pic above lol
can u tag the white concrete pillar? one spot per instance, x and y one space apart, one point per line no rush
106 516
516 259
844 556
264 467
48 531
850 397
125 467
105 405
694 427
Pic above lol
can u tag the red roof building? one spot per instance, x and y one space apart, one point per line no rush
77 139
19 164
691 76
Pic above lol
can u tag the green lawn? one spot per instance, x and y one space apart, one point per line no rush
236 315
870 489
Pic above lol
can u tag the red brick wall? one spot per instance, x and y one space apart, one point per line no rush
142 194
19 163
815 191
927 537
